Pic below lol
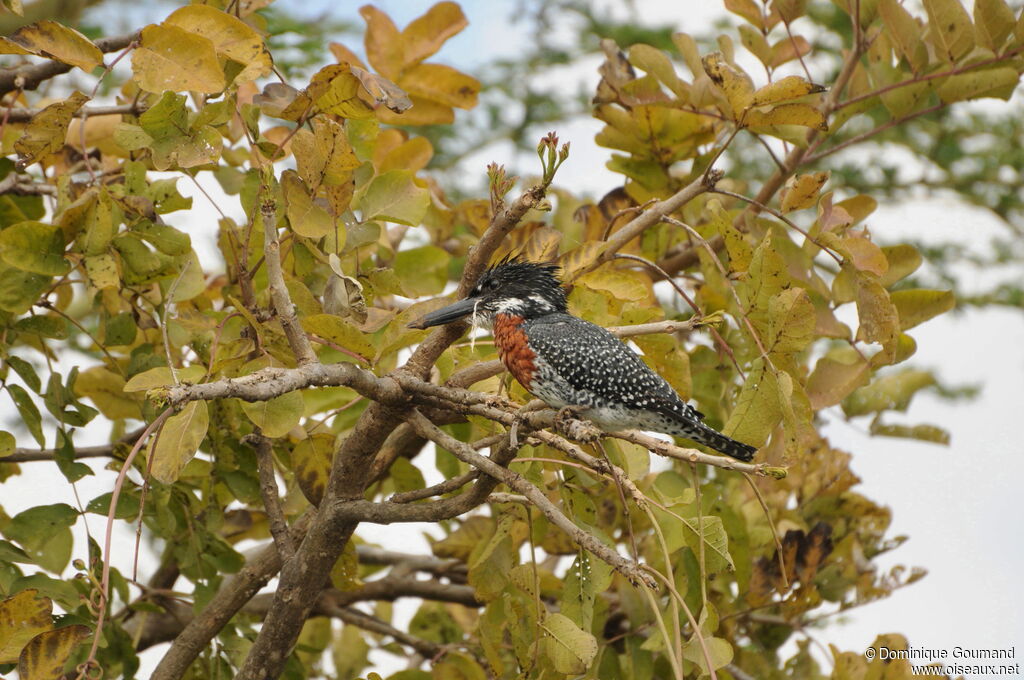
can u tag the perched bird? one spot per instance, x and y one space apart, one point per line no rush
569 362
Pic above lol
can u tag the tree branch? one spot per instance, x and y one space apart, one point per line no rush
20 115
268 491
29 77
282 302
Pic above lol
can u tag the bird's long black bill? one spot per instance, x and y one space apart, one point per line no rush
452 312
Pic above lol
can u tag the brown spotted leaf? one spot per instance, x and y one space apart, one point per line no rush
45 655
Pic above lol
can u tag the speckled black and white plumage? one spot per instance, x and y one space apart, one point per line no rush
574 362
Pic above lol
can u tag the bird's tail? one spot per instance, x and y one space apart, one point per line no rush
702 434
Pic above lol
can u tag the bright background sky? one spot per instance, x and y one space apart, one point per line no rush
957 503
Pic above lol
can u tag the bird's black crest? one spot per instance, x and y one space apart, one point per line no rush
536 284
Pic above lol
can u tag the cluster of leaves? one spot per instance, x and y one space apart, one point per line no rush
97 263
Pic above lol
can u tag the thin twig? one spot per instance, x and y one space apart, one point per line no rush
268 490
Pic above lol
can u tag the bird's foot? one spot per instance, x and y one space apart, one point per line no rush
520 418
569 423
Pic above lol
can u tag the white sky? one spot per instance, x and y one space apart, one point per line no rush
956 503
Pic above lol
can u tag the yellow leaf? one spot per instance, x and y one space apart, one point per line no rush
45 655
323 156
423 112
411 154
994 21
791 321
832 380
335 89
788 49
858 207
569 649
802 190
22 617
305 216
179 440
441 84
803 115
56 41
879 321
161 376
383 42
790 87
903 261
906 32
734 83
950 28
755 43
171 58
46 132
340 332
891 392
917 306
106 389
747 9
425 35
656 62
102 270
311 461
231 37
757 410
998 83
864 254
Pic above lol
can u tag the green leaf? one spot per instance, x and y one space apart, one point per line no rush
45 533
19 290
34 247
994 21
62 402
890 392
394 197
29 412
7 443
25 371
490 562
278 416
161 377
879 320
422 271
46 132
53 327
569 649
585 579
905 32
167 240
341 332
719 650
998 83
918 305
179 440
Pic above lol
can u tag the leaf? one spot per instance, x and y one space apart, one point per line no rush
994 21
906 32
757 409
311 463
442 84
44 657
928 433
383 42
56 41
569 649
323 156
175 59
231 38
46 132
890 392
179 440
28 411
341 332
7 446
790 87
22 617
335 90
161 377
747 9
656 62
490 562
734 83
832 380
34 247
719 650
305 216
394 197
585 578
879 320
803 115
998 83
791 321
44 531
918 305
949 27
802 190
425 35
422 271
106 389
278 416
903 261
